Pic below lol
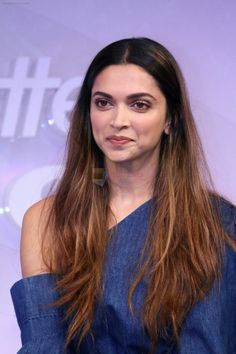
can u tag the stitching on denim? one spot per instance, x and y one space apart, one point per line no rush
39 316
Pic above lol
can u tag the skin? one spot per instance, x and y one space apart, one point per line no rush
131 167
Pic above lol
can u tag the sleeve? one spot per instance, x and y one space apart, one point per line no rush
42 326
210 327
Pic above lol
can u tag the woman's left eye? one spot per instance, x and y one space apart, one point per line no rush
141 105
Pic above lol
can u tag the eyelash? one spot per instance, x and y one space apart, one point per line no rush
103 100
99 100
145 104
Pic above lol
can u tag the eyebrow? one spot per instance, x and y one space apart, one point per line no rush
132 96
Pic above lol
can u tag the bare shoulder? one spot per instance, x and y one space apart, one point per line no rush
31 238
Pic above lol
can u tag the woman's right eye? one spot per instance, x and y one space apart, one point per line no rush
102 103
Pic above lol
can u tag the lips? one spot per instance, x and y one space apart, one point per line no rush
118 138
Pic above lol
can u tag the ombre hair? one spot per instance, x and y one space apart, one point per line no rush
184 247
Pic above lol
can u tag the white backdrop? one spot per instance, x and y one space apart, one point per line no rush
46 46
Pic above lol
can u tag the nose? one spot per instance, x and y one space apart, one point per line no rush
120 117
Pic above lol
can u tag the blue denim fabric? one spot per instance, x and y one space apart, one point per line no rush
210 327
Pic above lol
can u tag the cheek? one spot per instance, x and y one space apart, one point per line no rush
98 124
94 125
96 121
149 131
150 127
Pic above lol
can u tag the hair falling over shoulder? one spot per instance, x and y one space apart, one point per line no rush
184 248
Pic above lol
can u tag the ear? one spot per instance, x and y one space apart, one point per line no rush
167 127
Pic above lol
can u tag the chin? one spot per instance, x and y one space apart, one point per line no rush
117 159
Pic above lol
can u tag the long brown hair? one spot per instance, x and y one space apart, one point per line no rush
184 246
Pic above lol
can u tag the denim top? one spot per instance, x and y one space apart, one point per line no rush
210 327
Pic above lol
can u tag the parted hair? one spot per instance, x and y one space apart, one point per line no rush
184 245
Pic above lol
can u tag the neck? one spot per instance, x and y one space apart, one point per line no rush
129 182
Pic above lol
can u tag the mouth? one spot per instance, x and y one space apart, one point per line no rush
119 142
118 138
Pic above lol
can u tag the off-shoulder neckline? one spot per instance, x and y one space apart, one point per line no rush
131 214
52 275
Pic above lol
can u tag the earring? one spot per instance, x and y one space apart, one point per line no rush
167 127
99 176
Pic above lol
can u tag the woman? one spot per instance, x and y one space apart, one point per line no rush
135 250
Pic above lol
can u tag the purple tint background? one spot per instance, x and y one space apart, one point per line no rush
201 35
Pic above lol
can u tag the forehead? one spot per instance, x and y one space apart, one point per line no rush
126 78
